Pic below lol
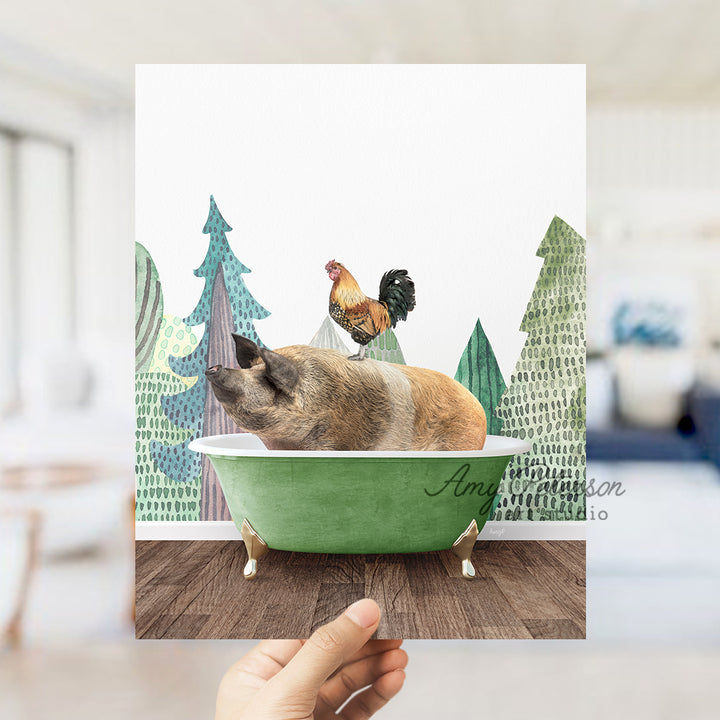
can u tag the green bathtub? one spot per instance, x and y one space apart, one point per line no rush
357 502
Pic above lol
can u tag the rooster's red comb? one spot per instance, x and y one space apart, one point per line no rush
328 267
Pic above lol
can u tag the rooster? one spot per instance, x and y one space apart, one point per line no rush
363 317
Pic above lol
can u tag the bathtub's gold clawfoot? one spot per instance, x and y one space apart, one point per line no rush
256 549
463 548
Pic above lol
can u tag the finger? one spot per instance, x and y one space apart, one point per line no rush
358 675
265 660
327 649
268 657
369 701
245 677
374 647
279 651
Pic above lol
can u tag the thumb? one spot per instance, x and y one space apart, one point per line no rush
328 648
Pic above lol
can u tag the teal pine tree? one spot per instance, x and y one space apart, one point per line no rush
479 372
225 306
545 401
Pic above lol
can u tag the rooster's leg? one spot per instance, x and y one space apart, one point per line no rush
359 355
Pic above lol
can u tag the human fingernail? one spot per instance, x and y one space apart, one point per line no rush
364 613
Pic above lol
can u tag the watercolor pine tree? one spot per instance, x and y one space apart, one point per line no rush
383 347
545 401
386 347
479 372
157 496
225 306
328 337
148 308
175 339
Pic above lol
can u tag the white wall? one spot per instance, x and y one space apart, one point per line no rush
453 172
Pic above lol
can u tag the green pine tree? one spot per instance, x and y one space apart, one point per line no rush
479 372
148 308
545 401
386 347
157 496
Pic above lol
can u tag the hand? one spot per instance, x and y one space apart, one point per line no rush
311 680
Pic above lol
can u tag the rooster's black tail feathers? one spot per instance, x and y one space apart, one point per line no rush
397 291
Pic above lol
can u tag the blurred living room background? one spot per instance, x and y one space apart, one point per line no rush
66 360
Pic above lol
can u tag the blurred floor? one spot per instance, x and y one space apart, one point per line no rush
178 679
83 598
653 564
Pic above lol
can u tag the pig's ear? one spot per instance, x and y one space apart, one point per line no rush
280 371
245 351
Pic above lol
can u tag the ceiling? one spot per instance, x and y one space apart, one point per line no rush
636 51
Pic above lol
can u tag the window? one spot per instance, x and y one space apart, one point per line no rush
37 268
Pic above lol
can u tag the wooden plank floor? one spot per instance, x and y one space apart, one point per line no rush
522 590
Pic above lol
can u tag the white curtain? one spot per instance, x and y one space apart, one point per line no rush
38 274
8 344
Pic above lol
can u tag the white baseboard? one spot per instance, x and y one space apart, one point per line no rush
494 530
533 530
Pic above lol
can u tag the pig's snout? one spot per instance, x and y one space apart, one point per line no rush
212 373
224 382
220 380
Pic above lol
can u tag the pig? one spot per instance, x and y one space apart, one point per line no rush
306 398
